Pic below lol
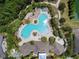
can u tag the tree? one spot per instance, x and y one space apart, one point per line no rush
52 10
34 57
10 9
60 32
67 29
52 0
62 20
44 39
31 42
55 32
54 22
70 41
76 56
2 1
51 40
39 0
61 6
50 57
72 8
11 58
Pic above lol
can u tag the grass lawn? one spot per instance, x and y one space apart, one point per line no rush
15 25
73 23
12 40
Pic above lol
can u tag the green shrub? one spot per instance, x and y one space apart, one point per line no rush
51 40
31 42
44 39
62 20
61 6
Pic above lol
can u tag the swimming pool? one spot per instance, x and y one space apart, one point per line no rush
40 27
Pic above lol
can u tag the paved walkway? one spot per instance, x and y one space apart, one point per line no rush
57 5
1 50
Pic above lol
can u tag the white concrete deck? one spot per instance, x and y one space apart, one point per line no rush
48 33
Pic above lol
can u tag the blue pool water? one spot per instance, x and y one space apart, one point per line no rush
40 27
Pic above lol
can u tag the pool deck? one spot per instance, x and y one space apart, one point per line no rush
59 43
39 35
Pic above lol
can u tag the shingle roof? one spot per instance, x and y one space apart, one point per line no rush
37 47
26 49
58 49
40 46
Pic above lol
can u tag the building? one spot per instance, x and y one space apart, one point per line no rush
40 46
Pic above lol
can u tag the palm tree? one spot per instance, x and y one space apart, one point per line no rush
62 20
44 39
61 6
31 42
51 40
